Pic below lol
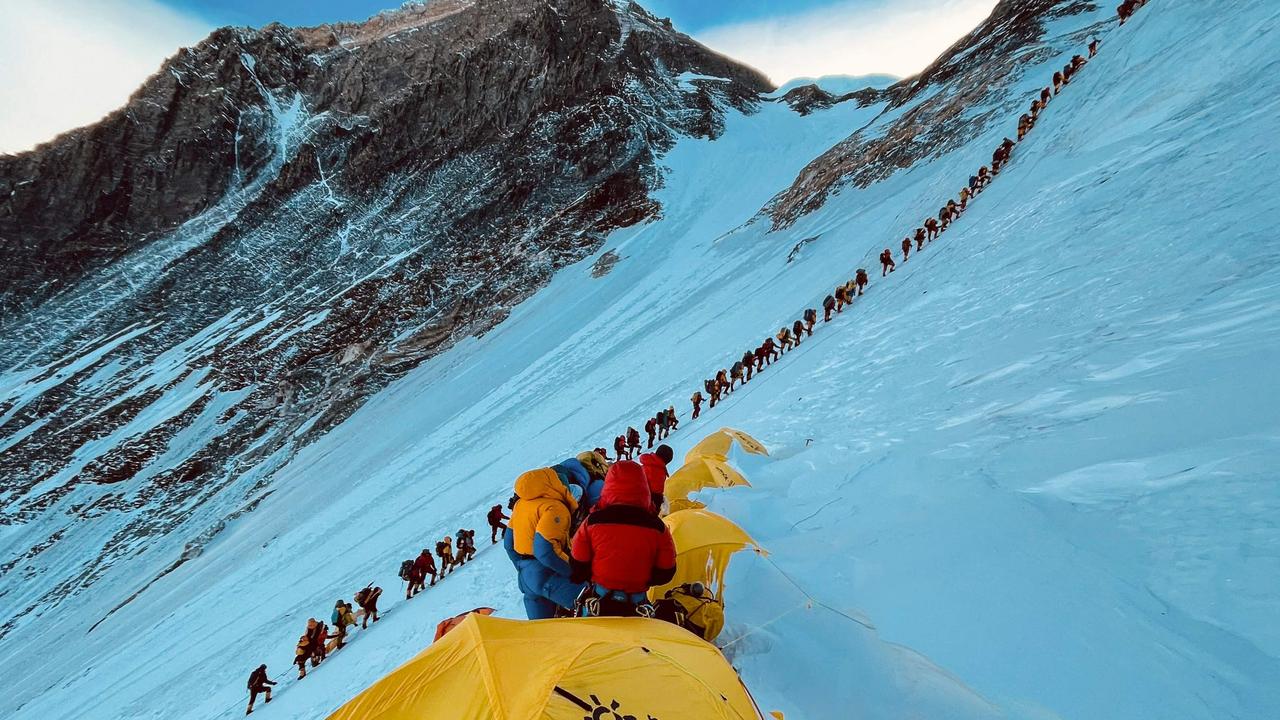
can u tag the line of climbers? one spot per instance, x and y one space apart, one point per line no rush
754 361
415 572
659 427
321 638
789 337
586 536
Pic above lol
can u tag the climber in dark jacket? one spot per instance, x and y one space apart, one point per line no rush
623 549
784 339
495 518
797 331
886 262
650 429
259 683
749 364
426 564
906 247
860 279
810 319
633 441
828 307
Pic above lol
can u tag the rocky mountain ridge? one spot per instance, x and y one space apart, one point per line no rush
281 222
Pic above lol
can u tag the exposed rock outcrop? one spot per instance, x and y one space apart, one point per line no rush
281 221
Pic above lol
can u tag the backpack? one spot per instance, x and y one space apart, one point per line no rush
440 548
701 615
406 568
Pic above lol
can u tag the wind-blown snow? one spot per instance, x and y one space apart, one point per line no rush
1029 475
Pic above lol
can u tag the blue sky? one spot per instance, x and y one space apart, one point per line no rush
690 15
66 63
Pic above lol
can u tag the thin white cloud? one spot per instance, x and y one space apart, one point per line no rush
898 37
67 63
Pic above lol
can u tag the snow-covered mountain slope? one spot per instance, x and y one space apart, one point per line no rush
280 223
1030 474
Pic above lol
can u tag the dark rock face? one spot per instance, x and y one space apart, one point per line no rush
282 221
973 72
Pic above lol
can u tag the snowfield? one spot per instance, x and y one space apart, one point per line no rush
1031 474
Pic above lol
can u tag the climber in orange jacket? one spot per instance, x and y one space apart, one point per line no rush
538 541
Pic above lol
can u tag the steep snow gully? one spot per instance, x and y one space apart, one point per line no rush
1034 468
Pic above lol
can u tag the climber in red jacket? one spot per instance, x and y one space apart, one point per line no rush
425 565
655 465
496 516
886 262
622 547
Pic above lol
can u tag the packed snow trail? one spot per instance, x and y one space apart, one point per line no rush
1040 464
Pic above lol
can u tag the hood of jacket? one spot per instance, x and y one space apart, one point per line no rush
545 483
626 485
572 471
654 468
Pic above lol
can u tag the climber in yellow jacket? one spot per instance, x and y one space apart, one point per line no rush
538 541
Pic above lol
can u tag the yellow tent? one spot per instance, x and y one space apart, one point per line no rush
702 472
677 504
717 445
488 668
704 543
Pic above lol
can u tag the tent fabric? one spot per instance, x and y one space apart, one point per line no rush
703 472
490 668
705 542
718 443
444 626
678 504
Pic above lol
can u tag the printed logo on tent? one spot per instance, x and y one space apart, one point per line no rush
613 711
